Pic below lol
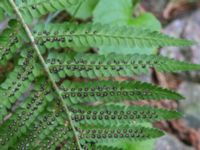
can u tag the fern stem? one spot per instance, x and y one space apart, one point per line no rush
36 48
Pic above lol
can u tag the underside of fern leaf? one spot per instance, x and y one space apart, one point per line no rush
96 35
113 114
111 65
109 91
49 101
36 8
10 42
95 134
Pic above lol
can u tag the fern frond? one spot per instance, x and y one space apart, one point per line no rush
40 110
44 123
111 65
106 91
19 80
36 8
102 134
59 135
9 42
6 7
96 35
49 129
120 114
25 114
34 121
3 111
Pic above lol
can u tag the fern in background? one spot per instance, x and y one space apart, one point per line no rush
54 97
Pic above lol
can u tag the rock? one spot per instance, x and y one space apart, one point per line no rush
145 78
190 106
192 31
155 5
169 142
188 28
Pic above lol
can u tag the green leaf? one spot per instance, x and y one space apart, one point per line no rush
19 80
111 65
101 134
113 11
3 111
112 114
135 2
36 8
10 42
95 35
39 110
127 145
57 136
130 145
6 7
45 128
1 14
121 14
86 9
25 114
146 20
110 91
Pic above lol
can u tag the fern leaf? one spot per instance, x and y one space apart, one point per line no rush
52 115
25 114
96 35
121 114
34 121
6 7
48 130
3 111
55 138
19 80
101 134
37 8
9 42
105 91
111 65
41 125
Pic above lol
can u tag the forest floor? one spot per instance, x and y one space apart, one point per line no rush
180 18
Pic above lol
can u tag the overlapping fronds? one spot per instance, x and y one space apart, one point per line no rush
48 131
25 114
19 80
10 42
96 35
42 108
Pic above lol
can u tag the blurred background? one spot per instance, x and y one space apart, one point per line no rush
180 18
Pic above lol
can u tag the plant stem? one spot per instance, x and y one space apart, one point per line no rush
29 34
